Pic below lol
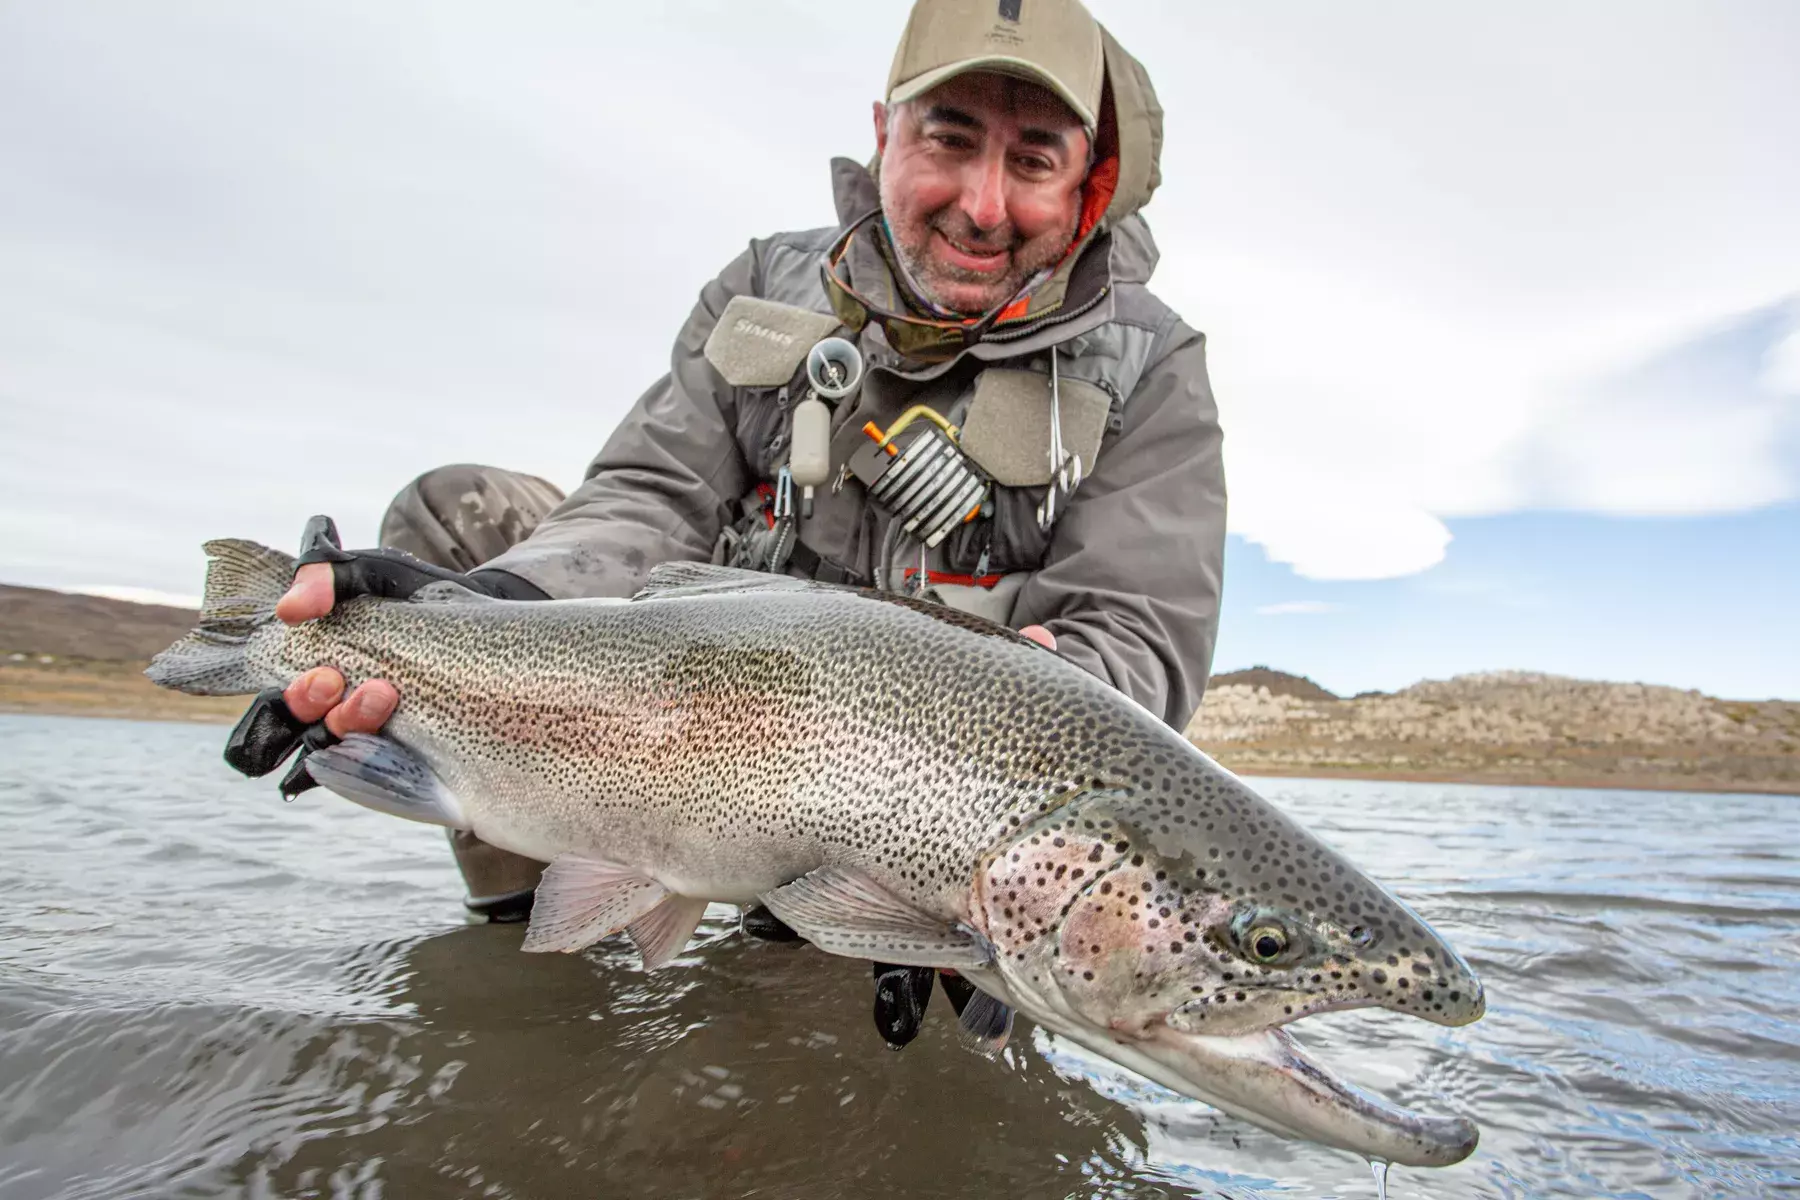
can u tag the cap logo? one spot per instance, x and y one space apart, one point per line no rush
1009 10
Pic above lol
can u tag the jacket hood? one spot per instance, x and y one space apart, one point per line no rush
1132 118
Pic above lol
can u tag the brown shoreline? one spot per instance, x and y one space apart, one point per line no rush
1620 783
118 690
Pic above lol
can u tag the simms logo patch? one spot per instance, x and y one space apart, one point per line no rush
745 325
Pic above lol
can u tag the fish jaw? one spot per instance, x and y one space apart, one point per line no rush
1262 1077
1267 1080
1136 941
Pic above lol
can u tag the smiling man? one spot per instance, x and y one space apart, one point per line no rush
991 266
980 183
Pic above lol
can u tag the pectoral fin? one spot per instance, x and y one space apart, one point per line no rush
663 932
845 912
581 900
381 774
985 1025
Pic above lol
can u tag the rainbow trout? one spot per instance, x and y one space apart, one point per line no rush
897 781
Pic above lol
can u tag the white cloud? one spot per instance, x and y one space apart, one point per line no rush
1708 426
1420 242
1781 366
1298 608
264 266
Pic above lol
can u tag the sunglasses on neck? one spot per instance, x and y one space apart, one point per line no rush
924 339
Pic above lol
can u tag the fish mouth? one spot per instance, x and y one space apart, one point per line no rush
1267 1079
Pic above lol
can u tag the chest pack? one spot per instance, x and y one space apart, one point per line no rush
969 481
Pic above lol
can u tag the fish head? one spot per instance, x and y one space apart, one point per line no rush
1179 928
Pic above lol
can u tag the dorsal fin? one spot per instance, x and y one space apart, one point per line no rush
674 580
949 615
448 591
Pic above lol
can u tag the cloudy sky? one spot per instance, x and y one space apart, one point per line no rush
1503 301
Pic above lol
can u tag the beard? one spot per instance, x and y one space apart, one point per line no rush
961 289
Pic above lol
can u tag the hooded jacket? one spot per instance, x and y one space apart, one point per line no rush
1128 578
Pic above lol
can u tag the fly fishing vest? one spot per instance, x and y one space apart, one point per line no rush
974 497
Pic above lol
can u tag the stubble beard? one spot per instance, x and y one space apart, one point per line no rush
911 242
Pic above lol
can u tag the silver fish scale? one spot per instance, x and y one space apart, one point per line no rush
895 777
733 741
757 734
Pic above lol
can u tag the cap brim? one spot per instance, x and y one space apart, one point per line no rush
1017 67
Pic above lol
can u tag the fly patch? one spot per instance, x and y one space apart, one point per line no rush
1007 430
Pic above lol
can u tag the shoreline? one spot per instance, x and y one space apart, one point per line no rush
119 691
1585 783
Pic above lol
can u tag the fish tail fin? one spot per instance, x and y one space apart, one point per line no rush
243 582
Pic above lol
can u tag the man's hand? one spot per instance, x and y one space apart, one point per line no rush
1036 633
318 695
313 710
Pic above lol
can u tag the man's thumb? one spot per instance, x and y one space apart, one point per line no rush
309 596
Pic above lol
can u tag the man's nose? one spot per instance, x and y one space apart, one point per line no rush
984 192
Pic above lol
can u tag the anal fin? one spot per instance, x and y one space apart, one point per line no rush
581 900
663 932
843 911
381 774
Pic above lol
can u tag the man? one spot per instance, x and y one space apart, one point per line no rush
990 266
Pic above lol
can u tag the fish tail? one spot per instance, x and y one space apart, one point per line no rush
243 582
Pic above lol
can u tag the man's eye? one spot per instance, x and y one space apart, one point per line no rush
950 141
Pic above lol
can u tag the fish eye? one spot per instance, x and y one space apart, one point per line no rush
1266 942
1267 937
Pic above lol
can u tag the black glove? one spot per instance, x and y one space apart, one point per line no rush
269 731
901 993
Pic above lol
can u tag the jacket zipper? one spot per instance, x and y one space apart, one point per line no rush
1043 323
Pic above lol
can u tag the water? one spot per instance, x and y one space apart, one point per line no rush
205 991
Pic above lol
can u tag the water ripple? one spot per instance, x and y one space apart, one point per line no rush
207 992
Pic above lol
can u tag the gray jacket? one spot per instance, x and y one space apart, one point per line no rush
1129 576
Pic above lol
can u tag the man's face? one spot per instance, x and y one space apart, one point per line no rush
981 185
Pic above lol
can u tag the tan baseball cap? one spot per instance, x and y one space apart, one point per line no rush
1052 42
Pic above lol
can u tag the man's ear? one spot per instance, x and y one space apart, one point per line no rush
881 128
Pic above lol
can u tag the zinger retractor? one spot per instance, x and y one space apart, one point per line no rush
834 369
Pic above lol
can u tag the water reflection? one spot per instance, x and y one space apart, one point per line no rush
749 1069
206 992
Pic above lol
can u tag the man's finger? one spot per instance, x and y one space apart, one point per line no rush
1040 635
314 694
309 596
366 711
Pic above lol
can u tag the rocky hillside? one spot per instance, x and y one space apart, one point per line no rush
1507 726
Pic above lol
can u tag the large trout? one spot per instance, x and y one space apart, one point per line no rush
896 780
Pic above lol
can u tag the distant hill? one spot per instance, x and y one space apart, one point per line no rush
1278 683
84 656
41 621
1505 726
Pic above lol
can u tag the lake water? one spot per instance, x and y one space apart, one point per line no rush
205 991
